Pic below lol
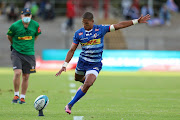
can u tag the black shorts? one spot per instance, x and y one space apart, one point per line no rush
26 63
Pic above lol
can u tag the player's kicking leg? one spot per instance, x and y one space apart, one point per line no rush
90 79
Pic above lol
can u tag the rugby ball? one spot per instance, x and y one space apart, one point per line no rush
41 102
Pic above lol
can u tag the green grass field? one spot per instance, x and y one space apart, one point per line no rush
114 96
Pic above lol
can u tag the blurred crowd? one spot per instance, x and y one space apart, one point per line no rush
43 9
131 9
162 16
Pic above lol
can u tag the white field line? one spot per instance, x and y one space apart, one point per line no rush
71 78
72 85
72 91
78 117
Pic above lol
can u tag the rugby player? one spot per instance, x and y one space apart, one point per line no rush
91 38
22 35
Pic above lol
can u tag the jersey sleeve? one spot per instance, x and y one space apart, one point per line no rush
11 31
105 29
38 30
76 38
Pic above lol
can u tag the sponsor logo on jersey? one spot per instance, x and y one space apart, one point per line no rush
80 33
25 38
39 29
95 35
88 34
96 29
92 42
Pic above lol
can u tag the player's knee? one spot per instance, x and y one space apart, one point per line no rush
26 78
17 73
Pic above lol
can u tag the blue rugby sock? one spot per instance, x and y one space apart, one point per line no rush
78 95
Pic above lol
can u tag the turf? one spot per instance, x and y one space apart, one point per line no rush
114 96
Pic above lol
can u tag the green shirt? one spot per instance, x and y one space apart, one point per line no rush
23 38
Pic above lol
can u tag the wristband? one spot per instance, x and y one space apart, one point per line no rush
135 21
65 64
112 28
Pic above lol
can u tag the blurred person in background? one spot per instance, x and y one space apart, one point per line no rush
2 8
134 11
164 15
147 10
126 4
22 35
42 8
70 13
171 5
12 12
177 3
34 9
27 4
89 64
48 11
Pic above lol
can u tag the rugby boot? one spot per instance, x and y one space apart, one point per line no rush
15 99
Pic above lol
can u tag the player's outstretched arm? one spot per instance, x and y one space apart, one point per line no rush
124 24
68 58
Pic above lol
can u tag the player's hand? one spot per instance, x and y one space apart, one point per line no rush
60 71
144 19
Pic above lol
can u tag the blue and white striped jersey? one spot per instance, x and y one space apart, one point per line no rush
92 42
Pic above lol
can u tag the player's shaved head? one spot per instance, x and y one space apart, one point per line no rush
87 20
88 15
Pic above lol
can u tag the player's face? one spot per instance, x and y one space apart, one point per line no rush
88 24
26 18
